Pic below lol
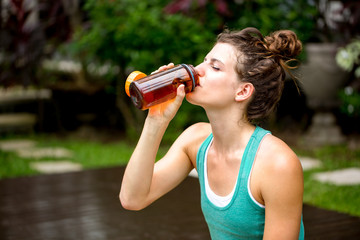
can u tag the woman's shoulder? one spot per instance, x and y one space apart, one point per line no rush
193 137
277 157
200 128
196 132
280 175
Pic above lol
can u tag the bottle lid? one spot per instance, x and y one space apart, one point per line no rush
136 75
191 73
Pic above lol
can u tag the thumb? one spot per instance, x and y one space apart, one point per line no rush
180 94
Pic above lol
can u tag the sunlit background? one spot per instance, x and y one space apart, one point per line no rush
63 65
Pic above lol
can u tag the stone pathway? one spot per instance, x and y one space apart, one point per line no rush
56 166
308 163
347 176
51 152
193 173
340 177
28 149
13 121
13 145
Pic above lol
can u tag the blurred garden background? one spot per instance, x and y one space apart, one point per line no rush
63 65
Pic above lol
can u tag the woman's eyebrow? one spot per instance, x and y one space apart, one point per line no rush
214 60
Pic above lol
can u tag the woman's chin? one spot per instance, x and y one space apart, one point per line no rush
191 99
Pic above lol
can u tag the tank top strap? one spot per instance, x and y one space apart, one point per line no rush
201 154
251 151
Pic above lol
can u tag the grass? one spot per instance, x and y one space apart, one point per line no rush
339 198
92 154
88 154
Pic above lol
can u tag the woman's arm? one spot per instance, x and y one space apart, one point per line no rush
143 182
282 191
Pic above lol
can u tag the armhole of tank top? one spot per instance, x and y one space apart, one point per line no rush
250 174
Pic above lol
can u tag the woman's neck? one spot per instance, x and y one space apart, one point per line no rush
231 131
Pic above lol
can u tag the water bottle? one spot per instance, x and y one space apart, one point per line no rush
146 91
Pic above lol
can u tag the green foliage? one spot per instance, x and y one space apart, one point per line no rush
139 35
13 166
268 16
350 99
188 114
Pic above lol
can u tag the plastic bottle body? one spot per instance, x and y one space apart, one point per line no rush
161 86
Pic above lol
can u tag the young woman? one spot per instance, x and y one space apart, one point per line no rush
251 181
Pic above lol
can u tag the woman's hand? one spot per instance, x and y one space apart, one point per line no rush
167 110
143 180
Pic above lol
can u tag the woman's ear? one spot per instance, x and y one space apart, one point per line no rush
244 92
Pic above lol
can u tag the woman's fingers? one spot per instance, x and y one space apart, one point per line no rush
169 108
164 67
180 93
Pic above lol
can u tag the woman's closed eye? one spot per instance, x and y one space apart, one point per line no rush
213 63
215 68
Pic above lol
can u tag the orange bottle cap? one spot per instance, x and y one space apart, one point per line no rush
136 75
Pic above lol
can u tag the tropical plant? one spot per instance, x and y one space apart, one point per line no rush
29 31
350 99
137 35
267 16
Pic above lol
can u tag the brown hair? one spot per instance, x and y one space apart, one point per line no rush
263 62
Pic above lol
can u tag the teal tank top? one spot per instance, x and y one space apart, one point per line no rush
242 218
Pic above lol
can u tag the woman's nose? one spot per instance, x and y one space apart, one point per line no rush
200 70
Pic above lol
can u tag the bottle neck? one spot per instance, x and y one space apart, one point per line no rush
193 75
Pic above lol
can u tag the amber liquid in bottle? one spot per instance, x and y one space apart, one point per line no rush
162 86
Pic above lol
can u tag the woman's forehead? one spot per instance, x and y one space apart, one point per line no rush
224 52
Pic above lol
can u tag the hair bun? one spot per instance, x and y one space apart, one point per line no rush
284 44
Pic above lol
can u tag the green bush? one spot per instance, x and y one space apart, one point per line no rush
350 100
137 35
268 16
142 35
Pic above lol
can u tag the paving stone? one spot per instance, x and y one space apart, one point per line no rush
52 152
56 166
19 94
309 163
17 119
193 173
347 176
14 145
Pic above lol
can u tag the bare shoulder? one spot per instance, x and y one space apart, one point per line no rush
196 132
276 155
199 128
277 173
192 138
279 169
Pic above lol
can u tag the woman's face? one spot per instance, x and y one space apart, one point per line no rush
217 77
